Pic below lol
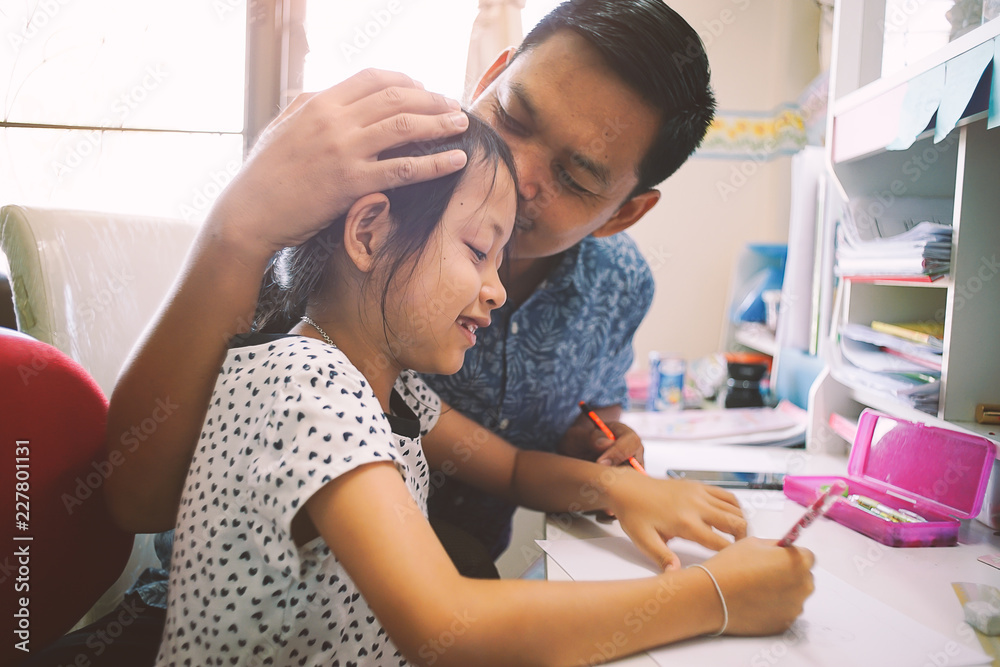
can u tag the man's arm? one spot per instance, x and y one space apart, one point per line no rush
310 164
650 510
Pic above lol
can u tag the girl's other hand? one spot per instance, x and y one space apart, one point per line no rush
654 511
321 154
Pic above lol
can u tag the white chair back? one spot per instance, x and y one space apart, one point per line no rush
89 283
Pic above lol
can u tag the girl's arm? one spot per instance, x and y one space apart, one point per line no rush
651 511
435 616
311 162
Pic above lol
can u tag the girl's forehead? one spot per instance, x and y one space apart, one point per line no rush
485 197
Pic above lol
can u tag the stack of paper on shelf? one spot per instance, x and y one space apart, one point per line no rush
923 251
906 369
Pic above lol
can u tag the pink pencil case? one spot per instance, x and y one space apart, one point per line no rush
938 474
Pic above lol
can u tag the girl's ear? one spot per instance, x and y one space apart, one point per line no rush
366 228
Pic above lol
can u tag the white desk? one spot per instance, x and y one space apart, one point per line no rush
915 581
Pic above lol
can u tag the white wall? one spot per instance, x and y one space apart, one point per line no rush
763 53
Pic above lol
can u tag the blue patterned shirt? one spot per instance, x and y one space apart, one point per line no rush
570 341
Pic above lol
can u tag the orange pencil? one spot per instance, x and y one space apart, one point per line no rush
599 423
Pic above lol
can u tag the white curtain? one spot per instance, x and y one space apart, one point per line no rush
497 26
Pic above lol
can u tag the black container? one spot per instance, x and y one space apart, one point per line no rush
743 386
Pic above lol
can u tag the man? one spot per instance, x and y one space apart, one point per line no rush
604 100
601 101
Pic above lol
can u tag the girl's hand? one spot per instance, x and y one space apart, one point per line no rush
653 511
765 585
321 154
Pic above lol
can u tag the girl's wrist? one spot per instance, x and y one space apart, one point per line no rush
624 488
722 599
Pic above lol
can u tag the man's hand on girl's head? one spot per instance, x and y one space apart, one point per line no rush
321 154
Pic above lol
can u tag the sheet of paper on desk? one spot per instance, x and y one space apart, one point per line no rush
840 625
732 426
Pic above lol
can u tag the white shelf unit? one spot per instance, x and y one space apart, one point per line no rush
963 168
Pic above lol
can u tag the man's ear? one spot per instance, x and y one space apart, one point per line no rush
498 66
629 213
366 228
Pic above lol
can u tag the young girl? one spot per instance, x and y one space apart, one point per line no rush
302 536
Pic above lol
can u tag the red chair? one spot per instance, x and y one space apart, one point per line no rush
61 548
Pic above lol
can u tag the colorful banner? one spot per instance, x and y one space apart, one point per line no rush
737 135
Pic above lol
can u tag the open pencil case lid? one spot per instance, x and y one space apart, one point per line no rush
938 473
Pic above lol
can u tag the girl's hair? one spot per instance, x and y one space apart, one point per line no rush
295 274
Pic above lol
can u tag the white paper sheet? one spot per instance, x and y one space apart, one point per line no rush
840 624
687 425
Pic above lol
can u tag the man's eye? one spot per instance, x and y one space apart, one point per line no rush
567 179
506 120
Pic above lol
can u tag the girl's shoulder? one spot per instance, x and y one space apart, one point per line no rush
420 398
290 360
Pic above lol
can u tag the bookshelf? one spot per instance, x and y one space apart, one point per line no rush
960 171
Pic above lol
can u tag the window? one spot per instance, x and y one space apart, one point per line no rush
138 107
121 106
426 39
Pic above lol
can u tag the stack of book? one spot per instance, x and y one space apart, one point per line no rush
902 359
920 253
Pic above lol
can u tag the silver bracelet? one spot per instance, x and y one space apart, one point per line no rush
725 610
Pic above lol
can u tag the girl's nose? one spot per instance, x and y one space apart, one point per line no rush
493 293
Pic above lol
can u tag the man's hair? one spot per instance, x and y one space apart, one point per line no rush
659 56
297 275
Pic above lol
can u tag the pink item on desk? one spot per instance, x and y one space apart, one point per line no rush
938 474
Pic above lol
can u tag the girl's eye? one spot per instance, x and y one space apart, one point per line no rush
480 256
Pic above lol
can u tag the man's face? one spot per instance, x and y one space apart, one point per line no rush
577 133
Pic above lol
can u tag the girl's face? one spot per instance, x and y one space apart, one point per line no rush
454 285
